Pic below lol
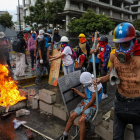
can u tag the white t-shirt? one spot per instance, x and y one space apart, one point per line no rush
67 60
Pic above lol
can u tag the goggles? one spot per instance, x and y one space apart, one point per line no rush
124 45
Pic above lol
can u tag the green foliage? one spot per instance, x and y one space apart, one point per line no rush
43 13
136 24
6 20
90 22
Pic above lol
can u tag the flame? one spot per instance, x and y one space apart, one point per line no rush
9 95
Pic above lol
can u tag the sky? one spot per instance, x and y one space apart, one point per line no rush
10 6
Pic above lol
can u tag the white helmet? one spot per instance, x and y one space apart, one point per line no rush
64 39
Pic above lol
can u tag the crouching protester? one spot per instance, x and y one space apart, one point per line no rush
86 108
127 65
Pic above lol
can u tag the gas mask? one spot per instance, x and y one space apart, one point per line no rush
124 51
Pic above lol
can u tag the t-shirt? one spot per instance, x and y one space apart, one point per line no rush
67 60
96 59
82 58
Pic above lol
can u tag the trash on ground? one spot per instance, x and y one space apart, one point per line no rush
22 112
17 123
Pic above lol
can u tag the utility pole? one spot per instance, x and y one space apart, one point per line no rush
19 16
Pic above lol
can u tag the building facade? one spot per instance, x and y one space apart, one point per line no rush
117 10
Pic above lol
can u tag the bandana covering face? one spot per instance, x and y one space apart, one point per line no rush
82 40
86 79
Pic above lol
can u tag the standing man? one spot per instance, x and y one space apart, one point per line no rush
104 54
19 44
127 64
43 56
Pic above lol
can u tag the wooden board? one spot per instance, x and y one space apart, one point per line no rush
54 70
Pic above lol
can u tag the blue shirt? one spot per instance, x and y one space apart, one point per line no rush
96 59
90 93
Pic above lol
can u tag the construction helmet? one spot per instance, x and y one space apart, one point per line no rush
124 32
81 35
103 39
64 39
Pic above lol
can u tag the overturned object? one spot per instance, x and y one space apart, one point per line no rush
22 112
114 79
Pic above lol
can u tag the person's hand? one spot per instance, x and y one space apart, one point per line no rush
58 49
47 57
51 59
98 81
34 55
41 61
75 90
98 56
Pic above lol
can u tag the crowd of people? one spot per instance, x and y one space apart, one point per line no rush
124 65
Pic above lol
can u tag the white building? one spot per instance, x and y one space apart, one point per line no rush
117 10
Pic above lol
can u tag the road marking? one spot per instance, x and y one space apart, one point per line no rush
32 85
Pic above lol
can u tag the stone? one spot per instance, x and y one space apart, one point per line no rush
32 102
60 111
23 92
98 118
46 107
47 96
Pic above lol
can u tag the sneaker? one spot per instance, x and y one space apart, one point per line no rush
62 137
104 96
31 68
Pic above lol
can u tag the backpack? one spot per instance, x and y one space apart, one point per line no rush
74 55
17 45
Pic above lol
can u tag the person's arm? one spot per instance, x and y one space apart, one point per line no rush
105 78
91 102
9 45
83 95
40 55
52 45
29 45
82 60
57 57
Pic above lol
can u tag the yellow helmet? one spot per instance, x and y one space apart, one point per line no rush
81 35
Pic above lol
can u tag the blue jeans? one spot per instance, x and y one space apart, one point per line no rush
119 127
37 68
68 69
32 58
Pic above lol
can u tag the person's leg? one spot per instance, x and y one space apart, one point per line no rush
97 69
38 77
104 73
65 69
136 129
23 65
17 71
90 67
48 67
71 68
118 127
32 58
7 59
26 62
70 121
82 126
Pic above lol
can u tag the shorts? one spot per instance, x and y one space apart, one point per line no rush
88 113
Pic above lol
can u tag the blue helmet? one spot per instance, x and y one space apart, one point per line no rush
124 32
49 31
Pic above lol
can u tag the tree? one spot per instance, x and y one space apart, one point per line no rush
91 22
6 20
136 24
43 13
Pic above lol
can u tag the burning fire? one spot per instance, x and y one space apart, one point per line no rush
9 95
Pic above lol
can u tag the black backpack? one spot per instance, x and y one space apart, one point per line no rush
17 45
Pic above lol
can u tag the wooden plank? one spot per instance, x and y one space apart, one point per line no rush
54 70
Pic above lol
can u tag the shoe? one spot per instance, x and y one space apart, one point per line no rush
39 84
104 96
62 137
31 68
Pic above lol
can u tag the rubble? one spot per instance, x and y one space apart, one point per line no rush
22 112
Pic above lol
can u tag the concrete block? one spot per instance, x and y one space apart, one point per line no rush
32 102
60 111
47 96
98 118
46 107
103 130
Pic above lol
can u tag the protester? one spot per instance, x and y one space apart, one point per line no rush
93 50
82 54
20 56
36 53
104 54
31 47
126 62
6 45
86 108
56 39
68 64
43 56
137 36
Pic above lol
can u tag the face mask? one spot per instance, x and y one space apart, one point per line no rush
55 33
33 35
124 51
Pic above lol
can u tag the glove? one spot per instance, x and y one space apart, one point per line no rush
41 61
